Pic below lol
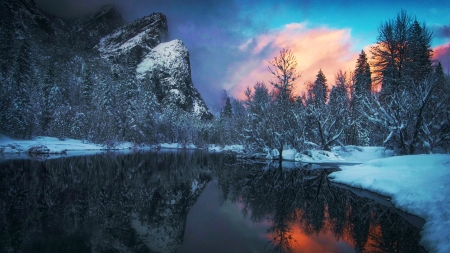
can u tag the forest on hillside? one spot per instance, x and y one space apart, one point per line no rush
399 98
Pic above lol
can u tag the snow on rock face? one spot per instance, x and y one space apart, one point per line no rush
170 56
167 67
138 37
163 65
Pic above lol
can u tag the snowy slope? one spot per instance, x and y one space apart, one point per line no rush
169 63
418 184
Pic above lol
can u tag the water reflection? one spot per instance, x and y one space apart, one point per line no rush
309 214
159 202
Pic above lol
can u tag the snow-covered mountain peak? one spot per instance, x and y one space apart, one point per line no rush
170 56
167 67
141 36
163 66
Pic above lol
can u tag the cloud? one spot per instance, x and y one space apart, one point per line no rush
442 54
443 31
318 48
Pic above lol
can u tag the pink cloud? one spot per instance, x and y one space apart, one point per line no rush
319 48
442 54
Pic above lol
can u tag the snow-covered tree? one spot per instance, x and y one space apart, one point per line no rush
402 54
418 64
358 133
327 122
318 91
17 115
414 120
283 69
228 109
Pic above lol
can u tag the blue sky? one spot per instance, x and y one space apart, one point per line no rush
231 42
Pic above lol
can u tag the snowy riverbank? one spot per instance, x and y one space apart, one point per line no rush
43 145
417 184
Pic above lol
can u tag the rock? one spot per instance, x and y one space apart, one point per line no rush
135 39
38 149
168 63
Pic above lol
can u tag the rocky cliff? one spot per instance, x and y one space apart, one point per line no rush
39 51
164 64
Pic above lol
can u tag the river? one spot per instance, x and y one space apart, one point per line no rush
189 201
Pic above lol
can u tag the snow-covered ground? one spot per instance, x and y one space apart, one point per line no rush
176 146
416 184
54 145
339 155
226 148
18 149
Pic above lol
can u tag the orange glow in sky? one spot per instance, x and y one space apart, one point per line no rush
315 49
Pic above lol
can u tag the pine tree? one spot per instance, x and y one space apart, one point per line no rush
18 116
362 76
47 108
441 81
418 64
87 86
338 94
358 134
318 91
228 110
339 103
390 53
7 39
402 54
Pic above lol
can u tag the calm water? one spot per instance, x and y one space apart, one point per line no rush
188 202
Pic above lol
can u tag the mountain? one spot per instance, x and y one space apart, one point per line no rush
76 77
144 45
23 15
138 37
91 28
168 63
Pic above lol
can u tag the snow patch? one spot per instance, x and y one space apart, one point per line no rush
168 55
417 184
227 148
361 154
177 146
312 156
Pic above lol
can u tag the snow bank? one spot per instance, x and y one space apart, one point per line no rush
176 146
50 144
417 184
42 145
361 154
227 148
314 156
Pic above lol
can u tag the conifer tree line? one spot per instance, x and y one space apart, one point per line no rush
397 98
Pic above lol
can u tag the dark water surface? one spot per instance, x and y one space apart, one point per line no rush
188 202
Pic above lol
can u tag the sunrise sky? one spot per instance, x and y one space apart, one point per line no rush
231 42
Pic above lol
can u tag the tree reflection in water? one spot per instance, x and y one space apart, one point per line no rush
301 203
140 203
